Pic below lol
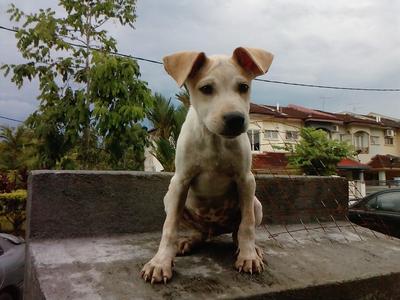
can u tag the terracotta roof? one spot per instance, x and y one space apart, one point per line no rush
390 123
292 111
348 118
367 119
312 113
273 163
350 164
305 114
385 162
270 161
265 110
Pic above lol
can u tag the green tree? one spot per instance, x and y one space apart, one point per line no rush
17 153
162 116
184 97
167 119
89 98
316 153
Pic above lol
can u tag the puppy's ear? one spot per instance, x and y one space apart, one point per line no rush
254 61
182 65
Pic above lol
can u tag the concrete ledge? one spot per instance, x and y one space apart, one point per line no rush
66 204
320 265
89 234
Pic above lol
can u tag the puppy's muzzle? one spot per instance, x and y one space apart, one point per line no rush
234 124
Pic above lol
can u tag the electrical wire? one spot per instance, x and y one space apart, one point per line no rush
257 79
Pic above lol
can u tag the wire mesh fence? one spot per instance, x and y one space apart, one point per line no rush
323 212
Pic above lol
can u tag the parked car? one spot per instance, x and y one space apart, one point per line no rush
379 211
12 263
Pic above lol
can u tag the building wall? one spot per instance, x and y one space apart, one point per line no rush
374 136
278 125
375 140
151 163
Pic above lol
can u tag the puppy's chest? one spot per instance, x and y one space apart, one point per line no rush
213 219
216 154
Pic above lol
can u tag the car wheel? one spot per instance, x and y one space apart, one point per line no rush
6 296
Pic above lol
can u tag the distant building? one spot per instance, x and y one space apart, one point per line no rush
372 135
151 163
375 137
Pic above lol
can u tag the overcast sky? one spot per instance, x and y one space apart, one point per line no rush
341 43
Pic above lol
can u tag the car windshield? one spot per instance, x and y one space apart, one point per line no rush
389 201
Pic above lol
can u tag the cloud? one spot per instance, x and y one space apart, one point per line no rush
344 43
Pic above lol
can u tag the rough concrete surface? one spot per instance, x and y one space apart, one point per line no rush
65 204
315 265
90 233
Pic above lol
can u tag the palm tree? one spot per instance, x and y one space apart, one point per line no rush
184 97
17 153
167 120
13 143
162 116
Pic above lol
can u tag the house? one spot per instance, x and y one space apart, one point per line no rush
151 163
376 138
372 136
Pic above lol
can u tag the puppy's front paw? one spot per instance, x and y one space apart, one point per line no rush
157 270
250 261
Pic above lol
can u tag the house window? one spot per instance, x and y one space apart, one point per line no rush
254 138
388 140
292 135
375 140
271 134
361 142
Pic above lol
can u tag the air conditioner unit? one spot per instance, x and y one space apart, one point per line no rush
335 128
389 132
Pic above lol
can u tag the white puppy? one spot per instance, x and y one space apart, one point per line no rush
212 191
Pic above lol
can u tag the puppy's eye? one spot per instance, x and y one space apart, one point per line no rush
207 89
243 88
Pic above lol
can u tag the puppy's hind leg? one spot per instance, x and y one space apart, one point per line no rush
258 212
188 243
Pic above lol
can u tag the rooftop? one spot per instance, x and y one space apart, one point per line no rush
307 114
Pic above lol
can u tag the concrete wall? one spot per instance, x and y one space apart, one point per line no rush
263 123
78 204
89 234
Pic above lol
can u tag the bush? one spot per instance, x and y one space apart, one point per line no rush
6 186
316 153
12 208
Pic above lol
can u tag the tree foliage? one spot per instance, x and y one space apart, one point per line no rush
91 101
17 156
12 208
184 97
316 153
167 120
16 148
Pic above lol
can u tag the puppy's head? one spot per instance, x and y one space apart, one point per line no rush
219 86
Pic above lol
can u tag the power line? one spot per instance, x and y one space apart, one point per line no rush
257 79
94 48
11 119
329 87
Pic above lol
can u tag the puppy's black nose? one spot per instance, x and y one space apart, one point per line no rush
234 123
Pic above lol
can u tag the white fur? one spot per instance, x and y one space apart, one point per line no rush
211 166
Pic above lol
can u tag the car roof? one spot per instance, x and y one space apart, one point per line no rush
357 201
383 192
